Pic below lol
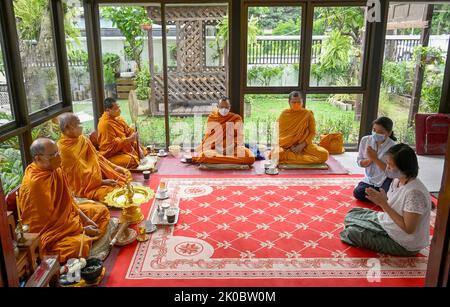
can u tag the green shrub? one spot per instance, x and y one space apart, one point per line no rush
264 74
111 67
11 171
143 79
112 60
343 124
398 77
78 55
431 93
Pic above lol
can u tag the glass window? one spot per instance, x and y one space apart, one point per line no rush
132 63
333 113
405 56
337 46
6 112
80 82
49 129
36 45
11 171
199 78
273 45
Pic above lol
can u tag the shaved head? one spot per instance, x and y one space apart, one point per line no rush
66 119
40 146
69 124
45 153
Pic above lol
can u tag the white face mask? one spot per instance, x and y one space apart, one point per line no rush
224 111
393 173
378 137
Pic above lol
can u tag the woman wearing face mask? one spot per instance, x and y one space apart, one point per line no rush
402 228
371 154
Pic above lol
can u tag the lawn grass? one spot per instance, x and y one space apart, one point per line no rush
264 111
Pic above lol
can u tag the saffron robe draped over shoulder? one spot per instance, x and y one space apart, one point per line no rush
112 132
296 127
46 205
214 148
85 168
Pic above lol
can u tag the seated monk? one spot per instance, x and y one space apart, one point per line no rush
89 174
47 206
224 126
297 129
117 141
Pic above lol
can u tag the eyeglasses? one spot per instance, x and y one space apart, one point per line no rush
54 155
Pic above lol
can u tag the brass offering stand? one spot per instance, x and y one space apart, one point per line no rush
129 199
20 230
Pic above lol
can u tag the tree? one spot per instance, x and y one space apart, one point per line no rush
441 19
30 15
222 36
348 20
290 27
129 19
36 42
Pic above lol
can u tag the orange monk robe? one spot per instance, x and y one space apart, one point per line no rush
209 152
296 127
46 205
112 132
85 168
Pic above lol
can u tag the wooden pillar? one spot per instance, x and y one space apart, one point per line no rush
153 104
420 69
13 68
93 37
8 269
235 70
444 106
439 259
165 72
62 66
376 33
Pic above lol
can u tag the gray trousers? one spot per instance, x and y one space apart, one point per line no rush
363 229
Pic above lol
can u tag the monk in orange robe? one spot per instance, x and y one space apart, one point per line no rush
297 129
117 141
47 206
224 126
89 174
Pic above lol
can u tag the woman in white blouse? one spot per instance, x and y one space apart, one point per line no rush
372 149
402 227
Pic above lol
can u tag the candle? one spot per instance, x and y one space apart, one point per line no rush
18 212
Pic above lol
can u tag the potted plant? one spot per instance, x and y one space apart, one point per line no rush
146 25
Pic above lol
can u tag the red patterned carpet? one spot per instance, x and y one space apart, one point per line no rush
259 231
173 166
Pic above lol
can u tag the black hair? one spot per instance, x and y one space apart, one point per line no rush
405 159
387 124
108 103
296 94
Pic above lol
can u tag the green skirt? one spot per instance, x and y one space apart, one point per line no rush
363 229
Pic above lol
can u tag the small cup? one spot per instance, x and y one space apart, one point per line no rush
162 152
188 158
171 214
165 207
146 174
271 170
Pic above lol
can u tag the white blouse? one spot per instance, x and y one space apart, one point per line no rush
374 175
412 197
